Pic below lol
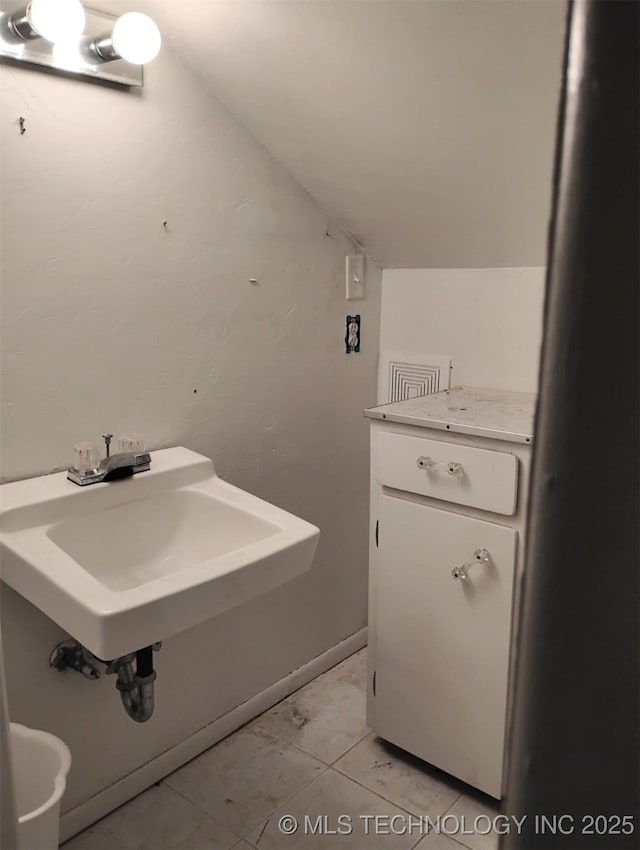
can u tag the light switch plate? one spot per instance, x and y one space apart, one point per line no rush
355 277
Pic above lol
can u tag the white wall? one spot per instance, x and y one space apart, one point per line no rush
426 128
489 321
112 322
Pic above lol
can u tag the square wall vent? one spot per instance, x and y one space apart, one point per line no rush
406 374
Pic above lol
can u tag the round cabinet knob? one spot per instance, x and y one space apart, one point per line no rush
480 556
424 462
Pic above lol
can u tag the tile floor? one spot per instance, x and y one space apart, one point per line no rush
311 755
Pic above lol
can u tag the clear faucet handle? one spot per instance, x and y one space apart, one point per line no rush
131 443
85 456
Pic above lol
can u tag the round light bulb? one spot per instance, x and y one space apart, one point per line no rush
136 38
57 20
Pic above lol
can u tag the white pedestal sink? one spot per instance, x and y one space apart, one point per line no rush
124 564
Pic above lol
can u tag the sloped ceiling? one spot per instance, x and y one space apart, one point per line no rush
425 129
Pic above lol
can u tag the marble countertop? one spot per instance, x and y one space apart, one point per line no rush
497 414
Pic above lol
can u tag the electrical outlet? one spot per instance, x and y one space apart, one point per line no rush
352 337
355 277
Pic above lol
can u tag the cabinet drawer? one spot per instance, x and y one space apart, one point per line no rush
465 475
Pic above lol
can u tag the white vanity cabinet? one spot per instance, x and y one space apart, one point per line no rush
449 478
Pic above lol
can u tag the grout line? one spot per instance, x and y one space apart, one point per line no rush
453 837
413 846
287 744
264 826
199 808
292 744
379 794
305 752
353 746
457 799
375 793
355 782
452 804
316 757
402 809
285 802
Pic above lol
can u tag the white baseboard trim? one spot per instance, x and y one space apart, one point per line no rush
82 816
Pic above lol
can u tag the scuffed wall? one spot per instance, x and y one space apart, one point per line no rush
112 321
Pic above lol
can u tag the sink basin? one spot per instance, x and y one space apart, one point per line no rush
124 564
158 536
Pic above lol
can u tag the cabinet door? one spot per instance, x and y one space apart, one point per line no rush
442 643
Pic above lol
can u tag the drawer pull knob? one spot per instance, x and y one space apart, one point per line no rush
451 467
425 462
480 556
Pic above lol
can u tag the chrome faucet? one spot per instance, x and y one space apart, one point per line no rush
112 466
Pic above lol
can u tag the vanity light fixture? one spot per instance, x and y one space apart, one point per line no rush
135 38
54 20
72 38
